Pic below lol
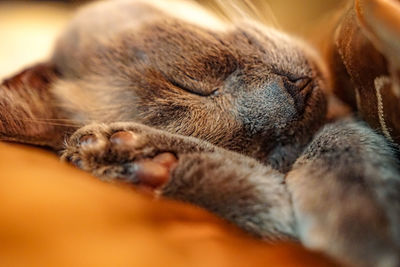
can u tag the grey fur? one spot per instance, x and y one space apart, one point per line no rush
237 105
345 189
238 188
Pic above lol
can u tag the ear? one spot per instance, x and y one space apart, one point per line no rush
29 112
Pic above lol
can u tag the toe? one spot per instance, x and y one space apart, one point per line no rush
166 159
124 138
150 173
88 139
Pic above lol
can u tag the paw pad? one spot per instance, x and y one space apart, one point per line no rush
168 160
121 154
155 172
89 139
124 138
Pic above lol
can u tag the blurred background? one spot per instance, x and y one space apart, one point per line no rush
28 28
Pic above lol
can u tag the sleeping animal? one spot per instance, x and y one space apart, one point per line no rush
227 116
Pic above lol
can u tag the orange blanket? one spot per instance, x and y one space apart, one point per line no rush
52 214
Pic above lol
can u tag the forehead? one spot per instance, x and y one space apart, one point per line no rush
262 36
149 29
169 39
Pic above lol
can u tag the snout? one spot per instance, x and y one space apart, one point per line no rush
300 89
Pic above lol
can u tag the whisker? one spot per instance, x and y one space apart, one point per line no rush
49 123
236 10
264 12
105 108
67 120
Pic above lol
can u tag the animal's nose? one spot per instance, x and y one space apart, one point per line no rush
300 89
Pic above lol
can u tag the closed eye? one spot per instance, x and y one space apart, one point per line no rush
194 91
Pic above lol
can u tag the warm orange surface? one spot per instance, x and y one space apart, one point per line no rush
52 214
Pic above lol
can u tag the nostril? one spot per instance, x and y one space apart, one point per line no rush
296 86
299 89
301 83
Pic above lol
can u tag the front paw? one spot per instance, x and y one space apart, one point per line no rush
121 151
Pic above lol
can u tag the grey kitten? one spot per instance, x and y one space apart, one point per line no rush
226 116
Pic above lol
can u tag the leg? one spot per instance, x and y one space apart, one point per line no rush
238 188
346 195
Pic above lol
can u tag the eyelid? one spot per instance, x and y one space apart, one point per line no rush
290 76
296 79
189 90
